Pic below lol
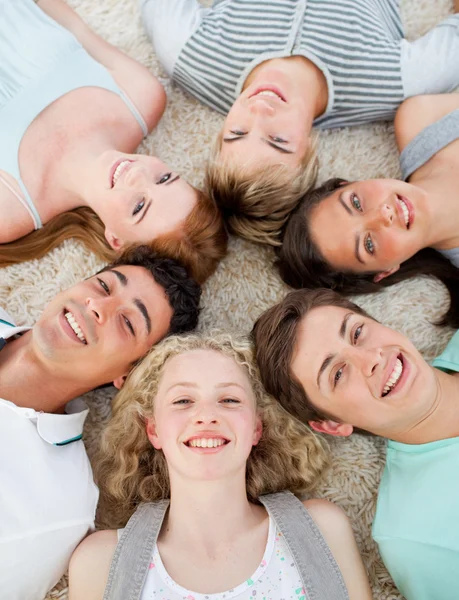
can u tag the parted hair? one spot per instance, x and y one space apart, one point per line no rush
200 243
275 334
256 200
183 293
302 265
129 470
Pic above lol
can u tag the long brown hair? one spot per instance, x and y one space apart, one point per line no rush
302 265
200 243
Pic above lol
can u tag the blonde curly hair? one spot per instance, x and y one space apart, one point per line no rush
128 470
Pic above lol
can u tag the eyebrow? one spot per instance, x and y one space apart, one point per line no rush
143 309
345 206
268 142
330 357
121 278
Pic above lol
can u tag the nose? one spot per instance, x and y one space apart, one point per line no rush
205 415
381 216
261 106
367 359
100 308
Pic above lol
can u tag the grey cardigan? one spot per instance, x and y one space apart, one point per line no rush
320 574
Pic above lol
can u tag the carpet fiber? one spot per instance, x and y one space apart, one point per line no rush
245 283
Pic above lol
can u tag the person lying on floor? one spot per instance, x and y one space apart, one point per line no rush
337 369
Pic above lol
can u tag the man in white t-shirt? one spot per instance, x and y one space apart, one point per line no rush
87 336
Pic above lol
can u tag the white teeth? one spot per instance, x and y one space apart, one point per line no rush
74 325
268 93
394 377
118 170
406 212
206 442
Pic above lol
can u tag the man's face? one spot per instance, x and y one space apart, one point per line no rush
361 373
96 329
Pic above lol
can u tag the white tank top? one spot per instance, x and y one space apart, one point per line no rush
275 577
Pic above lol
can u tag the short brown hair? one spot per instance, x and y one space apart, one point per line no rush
256 202
275 334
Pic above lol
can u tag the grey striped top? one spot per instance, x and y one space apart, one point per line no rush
356 43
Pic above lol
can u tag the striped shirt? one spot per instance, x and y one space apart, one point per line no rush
355 43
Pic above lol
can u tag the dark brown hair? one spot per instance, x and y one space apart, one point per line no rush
275 334
199 243
302 265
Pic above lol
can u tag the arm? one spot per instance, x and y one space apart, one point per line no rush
337 531
90 565
416 113
142 87
456 6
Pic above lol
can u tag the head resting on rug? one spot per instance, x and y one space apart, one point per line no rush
336 368
355 238
204 383
95 331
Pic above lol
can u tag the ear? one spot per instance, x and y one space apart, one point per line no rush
332 428
384 274
119 382
111 238
258 431
152 434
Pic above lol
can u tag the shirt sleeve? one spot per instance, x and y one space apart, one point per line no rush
421 571
169 24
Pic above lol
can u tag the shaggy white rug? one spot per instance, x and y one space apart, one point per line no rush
245 283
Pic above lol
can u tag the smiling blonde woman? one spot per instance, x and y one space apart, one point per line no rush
195 438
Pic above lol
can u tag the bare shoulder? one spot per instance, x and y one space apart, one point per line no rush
90 565
337 532
328 517
416 113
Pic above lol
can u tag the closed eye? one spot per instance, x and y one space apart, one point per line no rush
230 401
277 139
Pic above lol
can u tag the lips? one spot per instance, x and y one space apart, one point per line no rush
395 375
405 210
269 92
118 168
72 327
207 442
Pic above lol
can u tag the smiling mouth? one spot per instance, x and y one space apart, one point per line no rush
269 92
394 377
123 165
74 325
405 210
206 442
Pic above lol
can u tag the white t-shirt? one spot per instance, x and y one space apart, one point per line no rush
275 577
47 494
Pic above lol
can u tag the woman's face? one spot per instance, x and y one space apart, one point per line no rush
370 226
205 417
361 373
142 199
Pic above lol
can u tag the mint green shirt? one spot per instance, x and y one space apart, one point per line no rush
416 525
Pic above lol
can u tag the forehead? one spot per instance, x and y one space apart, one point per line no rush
207 367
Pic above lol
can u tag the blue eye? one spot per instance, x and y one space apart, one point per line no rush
356 202
238 132
104 286
165 178
338 375
369 246
138 207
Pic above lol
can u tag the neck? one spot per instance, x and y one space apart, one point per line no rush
442 420
209 513
30 382
443 218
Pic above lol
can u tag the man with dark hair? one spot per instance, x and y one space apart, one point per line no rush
89 335
336 368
